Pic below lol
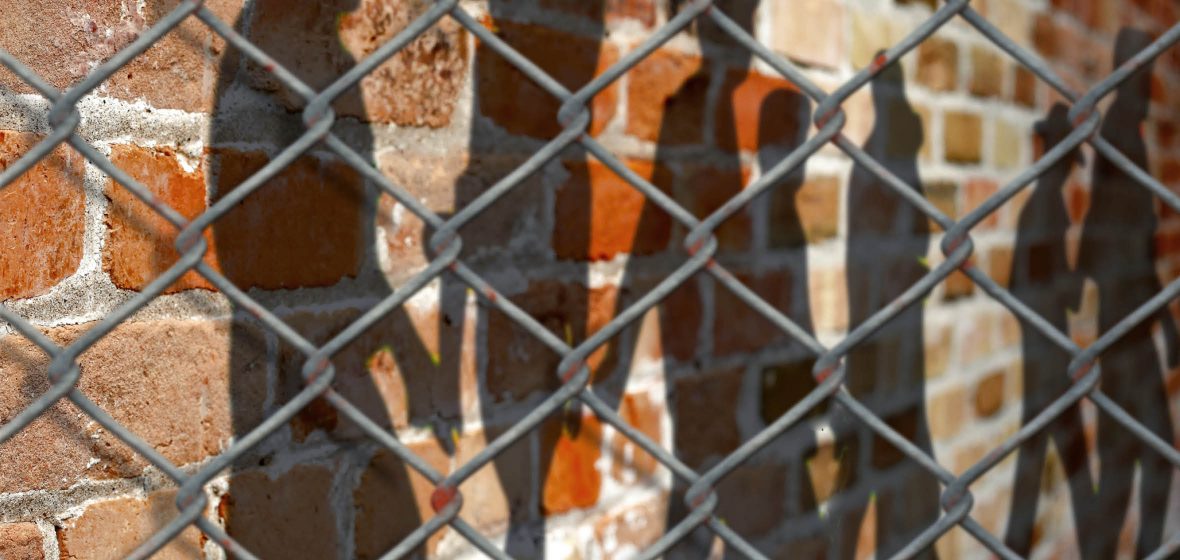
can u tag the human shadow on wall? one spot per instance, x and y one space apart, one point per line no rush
888 239
1043 280
715 114
304 247
1118 252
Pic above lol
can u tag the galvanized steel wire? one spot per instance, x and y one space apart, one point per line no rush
701 246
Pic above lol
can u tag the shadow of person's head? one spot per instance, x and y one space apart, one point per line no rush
897 125
1135 91
711 35
1052 130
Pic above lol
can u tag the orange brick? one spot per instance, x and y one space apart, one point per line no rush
114 528
573 480
761 110
42 215
666 99
140 244
601 215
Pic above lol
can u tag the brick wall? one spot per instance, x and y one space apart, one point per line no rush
446 119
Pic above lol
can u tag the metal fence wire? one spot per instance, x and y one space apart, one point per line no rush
574 116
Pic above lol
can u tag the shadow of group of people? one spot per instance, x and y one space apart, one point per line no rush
1118 253
885 249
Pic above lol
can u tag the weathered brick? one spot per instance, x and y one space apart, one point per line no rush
600 215
963 135
502 90
42 216
140 244
21 541
288 516
573 480
320 41
165 381
392 500
938 64
666 98
114 528
987 73
177 72
810 31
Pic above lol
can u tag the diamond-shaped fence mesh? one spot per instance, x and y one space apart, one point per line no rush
701 246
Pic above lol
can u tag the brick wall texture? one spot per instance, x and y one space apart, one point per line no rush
446 119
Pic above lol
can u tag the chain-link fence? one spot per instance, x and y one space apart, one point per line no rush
318 370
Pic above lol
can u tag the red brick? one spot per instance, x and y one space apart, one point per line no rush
42 215
302 228
761 110
502 90
599 214
706 415
320 41
573 480
21 541
140 244
113 528
392 500
165 381
666 99
286 517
